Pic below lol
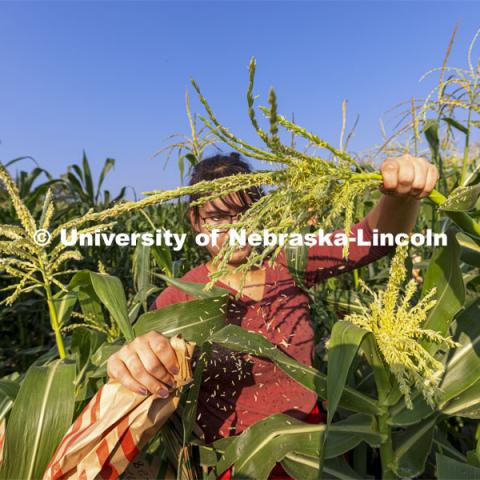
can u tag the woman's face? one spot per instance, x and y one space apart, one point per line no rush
215 212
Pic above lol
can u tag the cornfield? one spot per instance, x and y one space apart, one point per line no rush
397 359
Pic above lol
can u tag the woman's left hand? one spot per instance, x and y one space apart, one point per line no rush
408 176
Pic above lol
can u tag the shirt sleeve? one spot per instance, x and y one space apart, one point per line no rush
326 260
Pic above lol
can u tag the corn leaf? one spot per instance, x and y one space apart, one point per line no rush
448 468
8 393
110 291
194 289
463 367
305 467
189 413
462 199
344 343
401 416
412 447
64 303
467 404
431 135
101 356
256 450
87 298
142 273
455 124
470 249
195 319
163 258
240 340
346 434
40 416
444 273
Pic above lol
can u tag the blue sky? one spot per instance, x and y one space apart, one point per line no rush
110 77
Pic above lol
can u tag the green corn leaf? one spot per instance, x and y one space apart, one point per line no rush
142 274
141 267
455 124
195 319
448 469
467 404
256 450
344 343
431 134
163 258
189 413
64 303
194 289
40 416
240 340
444 273
412 447
76 168
87 298
403 417
101 356
305 467
462 370
462 199
108 165
110 291
76 186
8 393
470 249
346 434
85 342
88 178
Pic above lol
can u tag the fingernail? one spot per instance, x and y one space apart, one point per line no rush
163 393
175 370
143 391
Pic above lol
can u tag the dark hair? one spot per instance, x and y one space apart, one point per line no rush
219 166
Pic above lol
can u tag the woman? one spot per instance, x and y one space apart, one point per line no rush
237 389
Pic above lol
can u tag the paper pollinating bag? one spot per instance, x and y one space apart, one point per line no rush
115 425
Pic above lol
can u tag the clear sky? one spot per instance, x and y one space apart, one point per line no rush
110 77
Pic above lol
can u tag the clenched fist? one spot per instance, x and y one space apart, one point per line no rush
408 176
145 365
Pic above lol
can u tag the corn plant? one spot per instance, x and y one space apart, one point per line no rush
82 190
35 258
400 370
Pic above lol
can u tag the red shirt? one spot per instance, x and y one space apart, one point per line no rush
238 389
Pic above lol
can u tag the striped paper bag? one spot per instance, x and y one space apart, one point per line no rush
115 426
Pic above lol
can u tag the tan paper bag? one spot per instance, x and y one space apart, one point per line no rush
115 426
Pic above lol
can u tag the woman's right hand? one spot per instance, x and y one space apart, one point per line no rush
145 365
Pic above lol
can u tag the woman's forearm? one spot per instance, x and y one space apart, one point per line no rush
394 214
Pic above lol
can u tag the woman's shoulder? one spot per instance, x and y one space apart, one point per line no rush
196 274
172 294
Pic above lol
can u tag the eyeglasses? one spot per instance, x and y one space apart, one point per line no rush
220 219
